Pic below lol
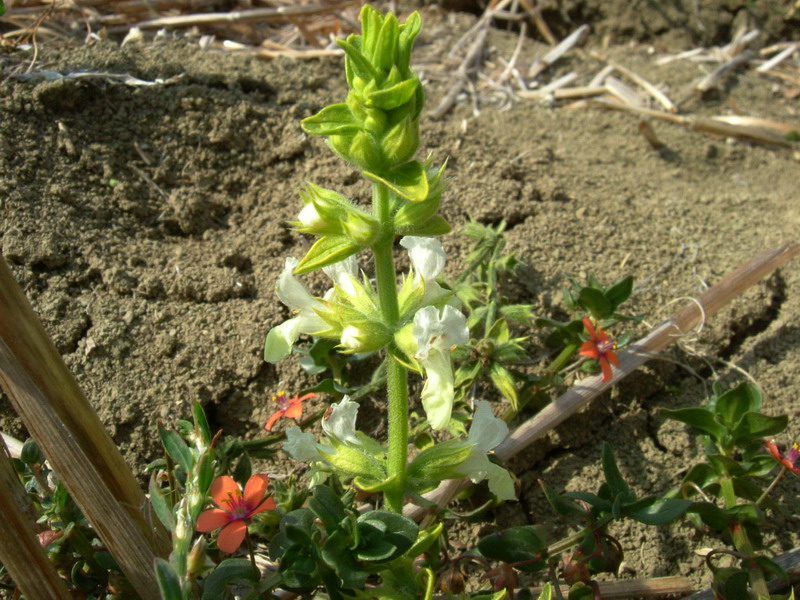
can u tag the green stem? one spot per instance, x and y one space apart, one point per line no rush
397 379
742 541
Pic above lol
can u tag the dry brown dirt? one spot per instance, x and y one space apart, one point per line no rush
147 225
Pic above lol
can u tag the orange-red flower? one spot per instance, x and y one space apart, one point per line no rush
234 509
601 347
790 460
287 407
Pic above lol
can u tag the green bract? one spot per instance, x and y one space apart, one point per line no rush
377 128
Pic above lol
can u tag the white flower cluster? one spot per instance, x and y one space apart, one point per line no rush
437 326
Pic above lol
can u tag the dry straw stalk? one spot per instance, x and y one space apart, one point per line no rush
59 417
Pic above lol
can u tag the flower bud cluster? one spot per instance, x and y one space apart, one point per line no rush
377 128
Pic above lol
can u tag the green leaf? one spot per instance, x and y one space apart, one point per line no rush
355 463
326 251
2 8
228 570
177 449
298 569
710 514
328 507
699 418
439 461
595 302
516 544
592 500
730 583
383 56
435 226
613 477
504 381
336 119
425 539
397 95
561 504
397 531
201 423
168 581
657 511
358 64
755 425
409 181
619 292
731 406
337 553
159 503
298 527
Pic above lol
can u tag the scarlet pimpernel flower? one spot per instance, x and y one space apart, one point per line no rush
287 407
601 347
234 509
790 460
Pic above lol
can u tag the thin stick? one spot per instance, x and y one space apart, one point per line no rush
654 587
756 130
240 16
540 65
659 96
778 58
683 321
59 417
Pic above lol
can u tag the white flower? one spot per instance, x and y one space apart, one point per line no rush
294 294
427 259
344 274
435 333
340 423
302 446
426 254
485 433
310 219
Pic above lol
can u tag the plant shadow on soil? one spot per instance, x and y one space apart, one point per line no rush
147 226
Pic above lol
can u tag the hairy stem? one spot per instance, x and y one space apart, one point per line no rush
397 379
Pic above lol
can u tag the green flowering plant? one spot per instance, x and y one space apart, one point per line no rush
414 322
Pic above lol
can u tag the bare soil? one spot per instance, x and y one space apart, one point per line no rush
147 224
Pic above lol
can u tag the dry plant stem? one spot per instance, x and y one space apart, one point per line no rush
756 130
587 389
654 587
20 551
241 16
69 433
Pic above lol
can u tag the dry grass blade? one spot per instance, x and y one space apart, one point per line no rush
657 94
712 79
298 54
540 23
20 550
52 407
751 129
13 445
551 87
589 388
241 16
542 64
624 93
778 58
